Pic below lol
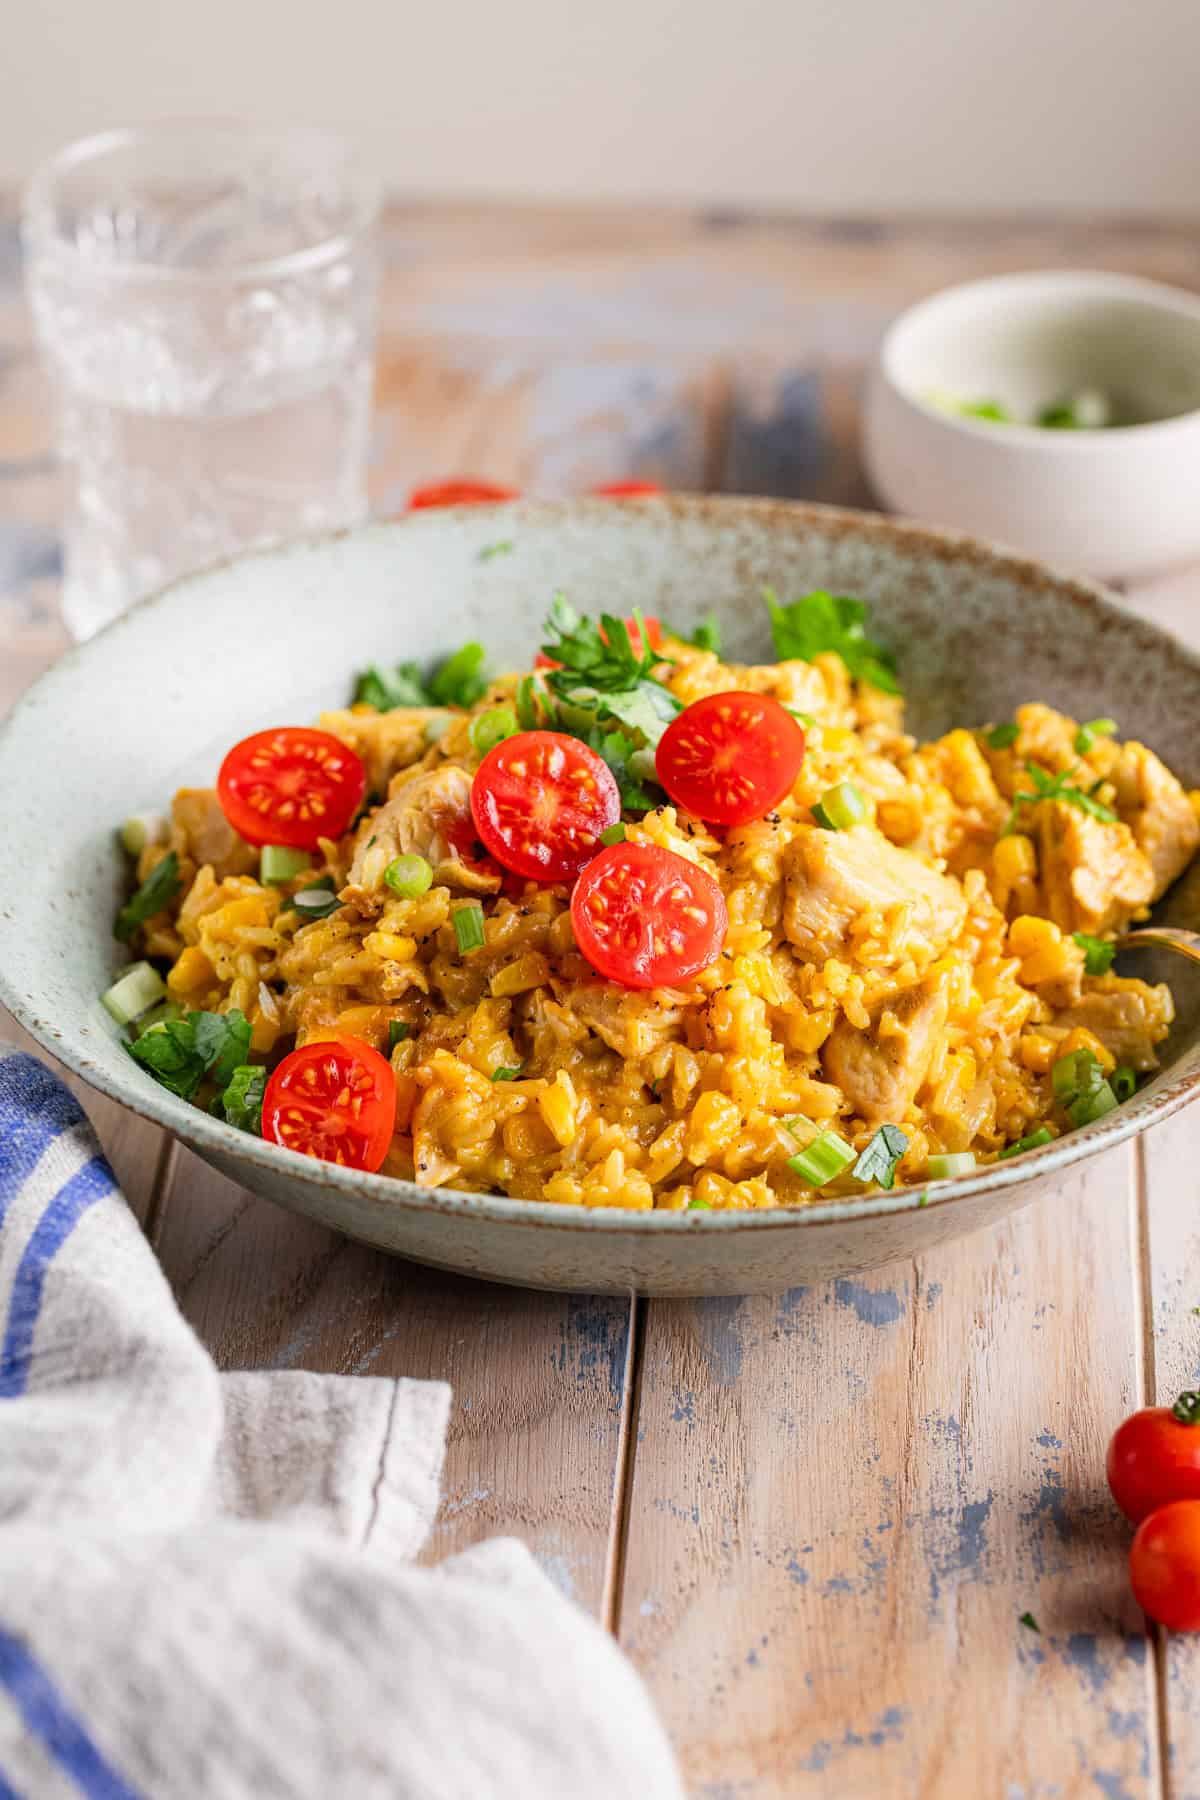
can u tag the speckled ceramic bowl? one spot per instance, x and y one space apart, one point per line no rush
155 700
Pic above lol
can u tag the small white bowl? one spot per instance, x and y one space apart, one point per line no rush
1114 503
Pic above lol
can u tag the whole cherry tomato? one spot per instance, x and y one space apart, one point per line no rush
1154 1457
1164 1565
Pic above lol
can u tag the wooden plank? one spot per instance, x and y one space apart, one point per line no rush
844 1501
538 1379
137 1150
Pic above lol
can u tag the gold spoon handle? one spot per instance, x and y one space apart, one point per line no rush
1163 937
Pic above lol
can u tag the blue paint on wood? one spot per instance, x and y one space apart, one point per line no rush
1112 1785
933 1294
786 450
1048 1441
1082 1651
721 1327
872 1307
595 1337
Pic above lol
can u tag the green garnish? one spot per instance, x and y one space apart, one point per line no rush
1034 1141
492 727
820 622
1187 1408
241 1101
134 993
180 1053
985 409
386 689
1002 737
1087 410
1027 1619
1057 787
613 834
409 876
316 901
535 708
839 807
278 862
707 635
1098 953
699 1206
601 674
508 1074
1087 734
823 1160
158 887
142 829
468 926
878 1161
460 680
945 1168
501 549
1123 1082
398 1030
1081 1089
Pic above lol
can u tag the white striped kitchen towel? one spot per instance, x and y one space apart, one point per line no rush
206 1585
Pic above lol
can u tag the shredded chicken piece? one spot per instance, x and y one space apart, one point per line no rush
631 1024
833 877
1093 876
1128 1017
881 1070
428 815
1158 812
208 835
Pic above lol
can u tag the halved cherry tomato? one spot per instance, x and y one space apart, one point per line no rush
334 1099
540 801
1164 1565
653 633
730 758
1154 1457
647 918
458 493
291 786
626 490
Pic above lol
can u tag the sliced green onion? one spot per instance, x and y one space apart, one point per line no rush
503 548
158 887
824 1159
436 726
398 1030
508 1074
699 1206
492 727
1123 1082
1002 737
140 988
468 927
1087 734
277 862
1087 1108
1076 1074
840 807
613 834
158 1015
1098 953
409 876
944 1168
142 829
1034 1141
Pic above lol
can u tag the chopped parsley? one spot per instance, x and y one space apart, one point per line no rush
398 1030
878 1161
503 548
1002 737
180 1053
1027 1619
1098 953
1087 734
1057 787
707 635
385 689
822 622
508 1074
602 673
158 887
458 681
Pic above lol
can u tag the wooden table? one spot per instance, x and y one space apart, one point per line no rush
813 1522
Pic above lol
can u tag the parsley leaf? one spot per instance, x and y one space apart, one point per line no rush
1057 787
594 654
618 750
1027 1619
385 689
241 1102
602 692
460 680
707 635
508 1074
1002 737
819 622
878 1161
151 897
1098 953
398 1030
179 1053
503 548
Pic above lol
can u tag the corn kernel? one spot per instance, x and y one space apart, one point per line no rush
528 971
1080 1038
191 974
391 946
1014 858
713 1126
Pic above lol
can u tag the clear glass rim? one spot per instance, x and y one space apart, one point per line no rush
41 231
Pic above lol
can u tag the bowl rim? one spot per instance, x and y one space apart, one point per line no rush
1018 437
1178 1086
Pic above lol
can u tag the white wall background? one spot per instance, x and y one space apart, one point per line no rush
815 104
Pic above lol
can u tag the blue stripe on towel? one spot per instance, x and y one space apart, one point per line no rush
35 1108
49 1719
7 1792
55 1226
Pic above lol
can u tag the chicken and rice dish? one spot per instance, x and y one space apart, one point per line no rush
640 927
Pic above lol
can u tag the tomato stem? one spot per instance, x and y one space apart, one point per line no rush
1187 1408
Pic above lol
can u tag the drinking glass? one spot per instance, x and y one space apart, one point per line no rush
204 295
